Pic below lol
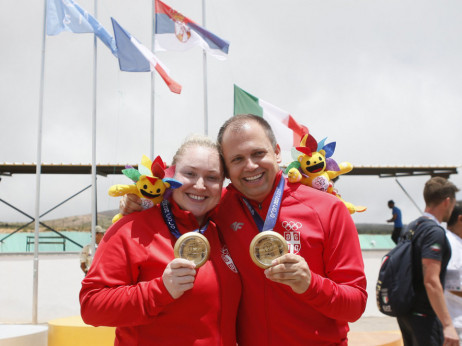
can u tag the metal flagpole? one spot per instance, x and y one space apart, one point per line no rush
93 141
415 204
37 175
151 143
204 64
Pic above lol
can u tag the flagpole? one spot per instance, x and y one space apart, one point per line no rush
409 196
204 64
93 141
151 143
37 176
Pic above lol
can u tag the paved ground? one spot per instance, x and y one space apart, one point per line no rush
374 323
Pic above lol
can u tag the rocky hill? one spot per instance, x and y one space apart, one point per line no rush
70 223
83 223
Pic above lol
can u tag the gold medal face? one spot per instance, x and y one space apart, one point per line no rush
267 246
194 247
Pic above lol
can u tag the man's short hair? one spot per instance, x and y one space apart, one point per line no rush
456 212
239 120
437 189
391 201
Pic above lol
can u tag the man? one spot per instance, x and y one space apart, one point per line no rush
86 256
453 282
308 296
396 219
429 323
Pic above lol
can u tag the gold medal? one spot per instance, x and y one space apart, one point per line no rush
194 247
267 246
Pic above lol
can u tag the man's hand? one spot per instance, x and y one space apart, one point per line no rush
451 338
291 270
129 203
178 277
431 274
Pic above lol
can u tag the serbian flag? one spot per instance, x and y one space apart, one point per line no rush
176 32
66 15
134 57
287 131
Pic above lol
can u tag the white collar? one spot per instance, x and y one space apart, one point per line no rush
432 217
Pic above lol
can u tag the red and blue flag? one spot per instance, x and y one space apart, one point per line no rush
177 32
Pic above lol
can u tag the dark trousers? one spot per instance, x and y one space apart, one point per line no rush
396 233
420 330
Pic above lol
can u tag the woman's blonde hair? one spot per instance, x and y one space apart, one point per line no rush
196 140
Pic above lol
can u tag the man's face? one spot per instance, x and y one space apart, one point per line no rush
98 237
450 207
457 227
250 159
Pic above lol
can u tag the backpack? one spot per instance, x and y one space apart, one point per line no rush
395 292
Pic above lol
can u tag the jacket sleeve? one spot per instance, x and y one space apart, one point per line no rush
111 294
340 292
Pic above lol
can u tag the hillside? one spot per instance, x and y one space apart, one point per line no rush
83 222
70 223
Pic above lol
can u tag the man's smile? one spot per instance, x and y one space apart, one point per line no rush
253 178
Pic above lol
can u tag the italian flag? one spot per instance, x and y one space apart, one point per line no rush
287 131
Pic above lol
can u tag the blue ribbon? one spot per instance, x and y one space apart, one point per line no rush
273 211
170 220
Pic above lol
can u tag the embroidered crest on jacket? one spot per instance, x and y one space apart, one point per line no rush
292 235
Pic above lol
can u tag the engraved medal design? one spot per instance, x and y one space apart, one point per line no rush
267 246
194 247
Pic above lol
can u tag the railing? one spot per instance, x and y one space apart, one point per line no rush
45 240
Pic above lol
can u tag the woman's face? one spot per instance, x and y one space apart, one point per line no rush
200 171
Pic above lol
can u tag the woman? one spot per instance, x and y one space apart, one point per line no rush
136 284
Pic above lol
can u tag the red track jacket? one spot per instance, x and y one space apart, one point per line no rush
319 228
124 286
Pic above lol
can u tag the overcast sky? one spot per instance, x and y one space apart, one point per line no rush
381 78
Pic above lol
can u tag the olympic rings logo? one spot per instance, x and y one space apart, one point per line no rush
291 226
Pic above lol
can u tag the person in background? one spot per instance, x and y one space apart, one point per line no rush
138 286
85 255
429 322
453 282
397 221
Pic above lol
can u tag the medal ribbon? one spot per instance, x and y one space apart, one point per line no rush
170 220
273 211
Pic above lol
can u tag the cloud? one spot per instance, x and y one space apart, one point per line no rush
380 78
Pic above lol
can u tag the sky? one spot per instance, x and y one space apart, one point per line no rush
380 78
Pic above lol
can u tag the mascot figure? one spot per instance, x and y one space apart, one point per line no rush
150 184
314 167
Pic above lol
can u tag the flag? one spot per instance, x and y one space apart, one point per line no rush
176 32
66 15
287 131
134 57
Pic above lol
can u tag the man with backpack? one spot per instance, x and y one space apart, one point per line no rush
428 322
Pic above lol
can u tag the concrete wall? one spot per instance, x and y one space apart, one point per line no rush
59 286
59 278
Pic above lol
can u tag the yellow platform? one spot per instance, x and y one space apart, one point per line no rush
72 331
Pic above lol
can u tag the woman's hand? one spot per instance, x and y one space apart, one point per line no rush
179 277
